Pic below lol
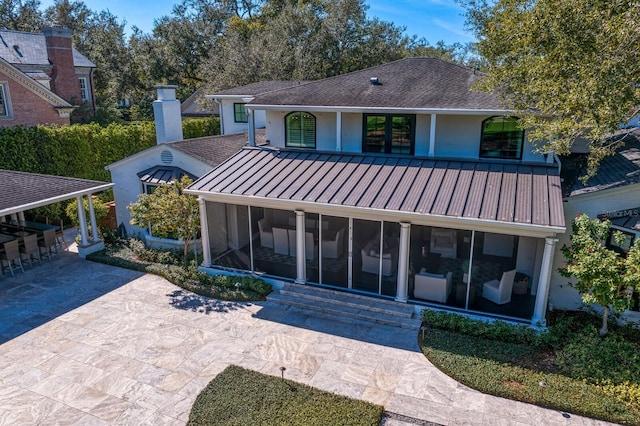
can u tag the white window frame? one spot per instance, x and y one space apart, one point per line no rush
6 100
84 89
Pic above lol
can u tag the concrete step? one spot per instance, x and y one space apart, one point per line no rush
359 301
338 308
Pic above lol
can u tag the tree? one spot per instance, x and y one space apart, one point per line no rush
604 276
21 15
169 212
573 60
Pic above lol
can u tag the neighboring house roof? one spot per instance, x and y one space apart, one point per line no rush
258 88
30 190
33 48
620 169
504 194
32 85
411 83
197 105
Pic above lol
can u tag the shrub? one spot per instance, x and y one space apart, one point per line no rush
199 127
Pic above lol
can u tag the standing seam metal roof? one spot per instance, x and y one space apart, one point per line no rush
510 193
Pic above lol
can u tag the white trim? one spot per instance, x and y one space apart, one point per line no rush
6 100
494 226
389 110
52 200
228 97
32 85
84 89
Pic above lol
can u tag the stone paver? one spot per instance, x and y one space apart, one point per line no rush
84 343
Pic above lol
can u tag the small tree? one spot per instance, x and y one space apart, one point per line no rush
169 211
604 277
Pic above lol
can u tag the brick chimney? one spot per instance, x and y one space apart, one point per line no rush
167 115
64 81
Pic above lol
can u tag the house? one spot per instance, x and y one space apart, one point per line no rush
197 106
397 182
172 158
230 103
42 77
614 193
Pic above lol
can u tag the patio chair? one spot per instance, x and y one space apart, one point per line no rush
266 233
445 242
332 248
499 292
11 255
280 241
48 243
60 234
30 249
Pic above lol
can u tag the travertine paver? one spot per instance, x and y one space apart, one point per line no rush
84 343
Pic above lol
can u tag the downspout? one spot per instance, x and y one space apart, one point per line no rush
93 92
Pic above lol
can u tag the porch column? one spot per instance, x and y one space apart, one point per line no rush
432 136
204 233
92 218
402 287
339 131
301 259
21 219
252 129
540 309
82 218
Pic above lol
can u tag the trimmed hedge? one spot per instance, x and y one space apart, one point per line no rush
238 396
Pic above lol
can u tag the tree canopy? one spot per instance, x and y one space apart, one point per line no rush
574 60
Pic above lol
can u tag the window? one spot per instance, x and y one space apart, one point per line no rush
501 138
239 113
84 89
623 247
5 111
390 134
300 130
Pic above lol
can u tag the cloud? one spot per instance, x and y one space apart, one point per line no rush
459 31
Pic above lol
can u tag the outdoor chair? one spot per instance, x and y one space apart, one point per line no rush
280 241
499 291
30 249
11 255
266 233
332 248
445 242
60 235
48 243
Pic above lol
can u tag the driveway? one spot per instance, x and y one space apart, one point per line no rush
89 344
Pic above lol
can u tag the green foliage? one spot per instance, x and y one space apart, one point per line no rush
585 374
199 127
569 59
603 276
238 396
99 209
169 212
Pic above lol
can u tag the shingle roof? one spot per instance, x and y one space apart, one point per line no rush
23 191
621 169
259 88
33 48
214 150
414 83
507 193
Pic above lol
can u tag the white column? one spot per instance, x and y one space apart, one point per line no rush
339 131
204 233
14 218
82 218
402 290
350 255
92 218
21 219
540 309
252 128
301 259
432 136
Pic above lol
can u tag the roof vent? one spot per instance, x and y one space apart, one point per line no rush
374 81
17 49
166 157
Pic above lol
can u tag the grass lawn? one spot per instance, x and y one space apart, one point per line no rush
133 255
243 397
584 373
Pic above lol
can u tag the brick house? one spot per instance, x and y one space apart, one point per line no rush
42 77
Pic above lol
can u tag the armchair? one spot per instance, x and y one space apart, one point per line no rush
499 291
332 248
445 242
266 233
434 287
371 259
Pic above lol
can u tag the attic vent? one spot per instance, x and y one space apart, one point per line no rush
17 49
166 157
375 81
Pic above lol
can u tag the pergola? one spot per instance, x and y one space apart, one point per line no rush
25 191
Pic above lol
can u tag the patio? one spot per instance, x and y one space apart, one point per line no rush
94 344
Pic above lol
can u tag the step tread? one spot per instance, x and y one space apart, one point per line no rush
343 310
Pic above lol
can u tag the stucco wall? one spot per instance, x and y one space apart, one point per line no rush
227 114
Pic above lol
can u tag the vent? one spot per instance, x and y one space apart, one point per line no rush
166 157
374 81
17 49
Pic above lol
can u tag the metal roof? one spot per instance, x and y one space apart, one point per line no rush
157 175
471 191
25 191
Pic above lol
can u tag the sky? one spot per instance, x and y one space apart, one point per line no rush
434 20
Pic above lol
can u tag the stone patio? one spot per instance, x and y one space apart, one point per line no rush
89 344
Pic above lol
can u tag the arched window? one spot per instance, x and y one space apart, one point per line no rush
300 130
501 138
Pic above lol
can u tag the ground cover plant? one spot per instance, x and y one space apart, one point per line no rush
580 371
243 397
133 254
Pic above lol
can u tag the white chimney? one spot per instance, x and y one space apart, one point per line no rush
167 114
